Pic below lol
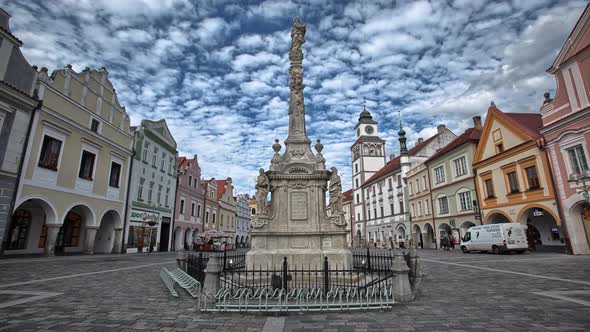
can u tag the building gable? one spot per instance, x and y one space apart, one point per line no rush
499 134
578 40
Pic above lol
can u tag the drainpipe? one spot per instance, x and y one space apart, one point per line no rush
172 222
125 219
18 176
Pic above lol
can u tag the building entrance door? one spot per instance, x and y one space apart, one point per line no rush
164 234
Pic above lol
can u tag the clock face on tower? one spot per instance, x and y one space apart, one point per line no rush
369 130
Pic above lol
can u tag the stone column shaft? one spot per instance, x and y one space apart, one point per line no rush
52 231
117 243
89 240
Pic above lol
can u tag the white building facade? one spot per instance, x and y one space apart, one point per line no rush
242 220
152 189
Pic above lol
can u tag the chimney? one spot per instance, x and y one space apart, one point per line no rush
477 123
440 128
392 156
420 140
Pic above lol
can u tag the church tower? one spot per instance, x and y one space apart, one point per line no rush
368 156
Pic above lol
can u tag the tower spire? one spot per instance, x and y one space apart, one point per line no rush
297 131
403 149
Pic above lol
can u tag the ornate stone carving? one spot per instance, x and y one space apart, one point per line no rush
335 192
262 189
319 147
300 170
298 184
258 222
297 153
276 147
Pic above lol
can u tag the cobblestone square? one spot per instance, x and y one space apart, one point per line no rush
462 292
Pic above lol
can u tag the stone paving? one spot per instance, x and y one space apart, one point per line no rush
462 292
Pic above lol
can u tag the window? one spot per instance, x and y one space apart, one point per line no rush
163 161
399 180
368 214
94 124
460 166
190 180
207 217
358 199
221 220
382 214
465 201
427 206
150 190
357 182
140 189
155 157
356 168
391 208
195 183
358 217
489 188
419 208
181 206
159 200
192 209
424 182
390 182
115 174
578 160
499 148
49 153
380 188
367 191
146 147
512 182
412 211
401 207
213 217
167 196
375 210
532 177
439 174
411 188
443 205
86 165
199 211
171 165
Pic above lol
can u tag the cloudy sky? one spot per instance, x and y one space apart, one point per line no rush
217 71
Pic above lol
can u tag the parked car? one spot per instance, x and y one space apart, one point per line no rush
497 238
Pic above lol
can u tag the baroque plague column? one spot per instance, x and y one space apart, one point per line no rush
294 223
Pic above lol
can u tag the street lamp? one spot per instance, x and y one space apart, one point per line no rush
584 180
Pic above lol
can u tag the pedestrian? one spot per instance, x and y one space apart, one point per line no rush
442 243
451 242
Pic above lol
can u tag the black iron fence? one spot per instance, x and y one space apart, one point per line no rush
229 260
324 278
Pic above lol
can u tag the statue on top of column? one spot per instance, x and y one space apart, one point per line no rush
262 189
335 191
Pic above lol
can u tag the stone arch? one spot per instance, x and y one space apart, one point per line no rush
27 231
579 228
496 217
106 239
543 230
465 226
417 236
400 232
85 212
429 239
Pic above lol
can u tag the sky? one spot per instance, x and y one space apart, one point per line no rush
217 71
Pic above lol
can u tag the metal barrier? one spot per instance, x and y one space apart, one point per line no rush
298 299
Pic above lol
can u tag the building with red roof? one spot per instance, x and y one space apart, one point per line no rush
513 177
190 196
381 212
566 129
441 193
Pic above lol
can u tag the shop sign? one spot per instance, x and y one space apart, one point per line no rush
452 222
537 213
144 216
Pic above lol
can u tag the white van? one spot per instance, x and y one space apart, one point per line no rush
497 238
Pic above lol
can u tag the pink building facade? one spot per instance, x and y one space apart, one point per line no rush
190 203
566 129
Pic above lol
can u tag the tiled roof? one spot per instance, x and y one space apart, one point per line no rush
395 163
347 194
470 135
531 123
220 188
181 161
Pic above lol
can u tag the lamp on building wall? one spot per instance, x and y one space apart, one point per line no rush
477 210
584 180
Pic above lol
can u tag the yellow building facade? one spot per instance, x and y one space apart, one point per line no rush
513 178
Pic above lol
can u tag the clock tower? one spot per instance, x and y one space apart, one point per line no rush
368 156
